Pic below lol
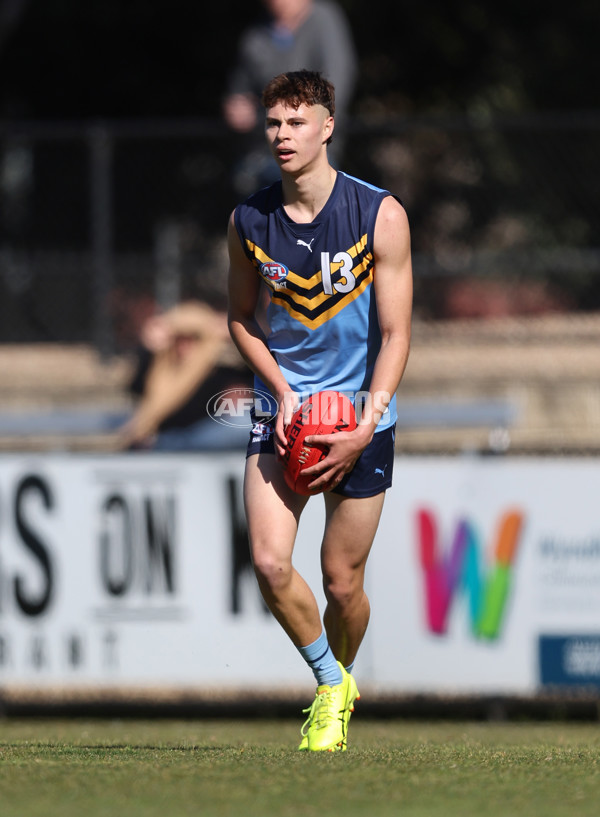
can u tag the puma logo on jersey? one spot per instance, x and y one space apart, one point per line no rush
381 470
308 246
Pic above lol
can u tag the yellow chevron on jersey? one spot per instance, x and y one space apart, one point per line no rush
320 308
260 257
313 323
314 309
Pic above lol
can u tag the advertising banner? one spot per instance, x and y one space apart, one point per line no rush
134 571
489 579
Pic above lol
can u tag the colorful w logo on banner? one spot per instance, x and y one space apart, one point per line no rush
461 569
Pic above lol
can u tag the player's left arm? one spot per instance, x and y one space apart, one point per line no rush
393 295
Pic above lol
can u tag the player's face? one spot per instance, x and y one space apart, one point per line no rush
297 136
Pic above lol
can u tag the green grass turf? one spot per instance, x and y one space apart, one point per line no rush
77 768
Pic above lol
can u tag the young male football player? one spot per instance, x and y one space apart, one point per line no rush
335 255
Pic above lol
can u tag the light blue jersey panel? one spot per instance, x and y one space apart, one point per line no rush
324 330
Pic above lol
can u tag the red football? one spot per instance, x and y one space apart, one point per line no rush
325 412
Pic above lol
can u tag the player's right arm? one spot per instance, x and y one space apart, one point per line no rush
244 288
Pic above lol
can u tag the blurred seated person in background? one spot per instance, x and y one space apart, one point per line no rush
291 35
186 357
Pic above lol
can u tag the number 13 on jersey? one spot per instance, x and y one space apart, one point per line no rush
342 263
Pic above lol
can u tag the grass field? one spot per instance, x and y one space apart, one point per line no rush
251 768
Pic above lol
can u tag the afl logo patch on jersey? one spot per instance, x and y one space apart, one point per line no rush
274 272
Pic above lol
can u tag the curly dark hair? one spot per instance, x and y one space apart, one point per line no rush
297 87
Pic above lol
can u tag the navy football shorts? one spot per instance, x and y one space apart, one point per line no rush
372 472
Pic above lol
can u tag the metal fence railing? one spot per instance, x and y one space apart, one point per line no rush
101 222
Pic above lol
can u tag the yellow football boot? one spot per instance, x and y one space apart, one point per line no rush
326 728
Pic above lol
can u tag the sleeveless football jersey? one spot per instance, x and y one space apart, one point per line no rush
324 331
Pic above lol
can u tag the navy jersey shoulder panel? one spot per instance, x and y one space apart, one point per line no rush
251 214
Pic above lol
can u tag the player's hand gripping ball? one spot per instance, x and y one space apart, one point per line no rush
325 412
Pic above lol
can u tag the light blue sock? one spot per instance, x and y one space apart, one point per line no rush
349 668
321 660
